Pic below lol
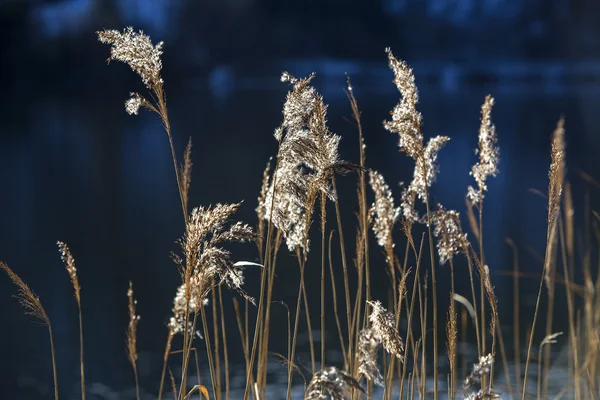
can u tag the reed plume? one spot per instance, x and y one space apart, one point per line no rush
332 383
368 346
384 329
488 151
481 368
383 212
447 229
406 122
307 160
69 262
33 307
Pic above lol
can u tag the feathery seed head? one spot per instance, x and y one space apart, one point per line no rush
447 229
306 161
383 212
383 324
479 369
489 153
136 50
69 261
368 345
332 383
132 328
133 104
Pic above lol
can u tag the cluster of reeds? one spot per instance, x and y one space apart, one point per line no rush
383 336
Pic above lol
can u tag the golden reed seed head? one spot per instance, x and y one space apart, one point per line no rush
383 323
136 50
331 383
488 151
383 212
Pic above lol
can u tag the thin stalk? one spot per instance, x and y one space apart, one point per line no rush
474 302
552 232
297 320
137 383
482 286
452 346
217 351
263 351
323 223
81 363
335 305
211 364
572 334
516 320
225 350
345 267
415 288
434 298
53 352
165 359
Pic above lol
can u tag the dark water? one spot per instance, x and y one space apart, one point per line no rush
74 167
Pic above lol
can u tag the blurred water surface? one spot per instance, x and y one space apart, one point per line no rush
76 168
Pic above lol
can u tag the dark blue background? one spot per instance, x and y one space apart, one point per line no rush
74 167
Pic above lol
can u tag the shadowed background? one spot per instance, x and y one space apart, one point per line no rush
74 167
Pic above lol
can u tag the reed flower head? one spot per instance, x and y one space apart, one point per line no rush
383 324
483 394
69 261
136 50
368 345
332 383
133 104
479 369
383 212
306 161
489 153
557 172
447 229
406 122
177 323
26 297
134 319
205 264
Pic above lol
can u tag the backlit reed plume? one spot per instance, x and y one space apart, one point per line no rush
489 153
448 231
383 212
306 161
479 369
261 209
383 324
331 383
484 394
205 262
132 353
406 122
556 173
180 305
33 307
69 262
136 50
368 346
